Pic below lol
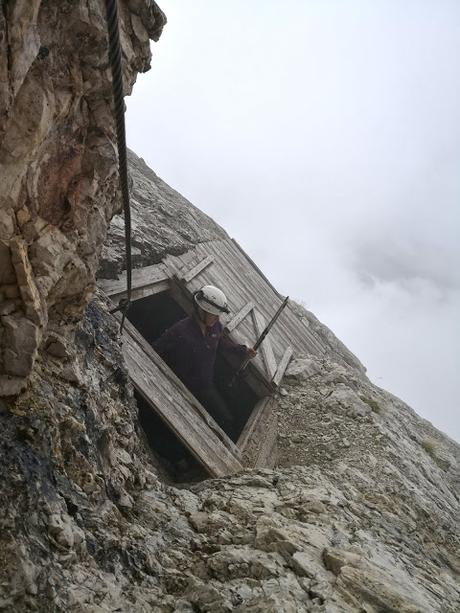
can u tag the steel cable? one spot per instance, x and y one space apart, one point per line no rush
117 88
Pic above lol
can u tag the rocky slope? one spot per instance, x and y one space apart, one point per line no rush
162 222
361 513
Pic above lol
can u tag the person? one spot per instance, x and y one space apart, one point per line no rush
189 347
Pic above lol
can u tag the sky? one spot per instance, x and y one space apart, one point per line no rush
324 136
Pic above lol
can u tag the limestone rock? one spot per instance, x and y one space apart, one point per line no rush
58 154
6 224
21 339
303 368
11 386
7 274
27 287
163 222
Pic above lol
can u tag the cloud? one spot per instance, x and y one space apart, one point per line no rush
404 262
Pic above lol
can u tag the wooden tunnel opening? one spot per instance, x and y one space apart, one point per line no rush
151 316
155 314
178 464
161 295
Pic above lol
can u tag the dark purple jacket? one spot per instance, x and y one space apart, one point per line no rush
191 355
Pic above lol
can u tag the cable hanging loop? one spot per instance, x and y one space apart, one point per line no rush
117 88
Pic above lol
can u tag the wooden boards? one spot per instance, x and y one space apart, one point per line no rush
266 346
282 366
193 272
224 264
238 318
257 441
177 407
145 282
242 282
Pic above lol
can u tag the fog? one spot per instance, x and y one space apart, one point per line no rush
324 136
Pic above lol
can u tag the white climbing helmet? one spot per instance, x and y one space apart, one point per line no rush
212 300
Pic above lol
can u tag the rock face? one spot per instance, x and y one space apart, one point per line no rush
162 222
57 154
362 511
360 515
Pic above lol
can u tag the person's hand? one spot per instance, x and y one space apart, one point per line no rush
251 353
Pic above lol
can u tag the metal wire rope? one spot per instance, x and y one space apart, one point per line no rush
117 88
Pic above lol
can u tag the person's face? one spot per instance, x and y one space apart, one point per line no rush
209 319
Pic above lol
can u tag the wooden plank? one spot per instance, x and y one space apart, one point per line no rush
238 318
193 272
282 366
233 271
149 275
164 368
266 346
258 439
248 429
266 442
167 399
215 458
290 322
143 292
246 283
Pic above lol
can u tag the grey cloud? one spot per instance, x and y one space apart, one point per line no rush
403 262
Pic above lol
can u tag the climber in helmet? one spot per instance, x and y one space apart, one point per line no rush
189 348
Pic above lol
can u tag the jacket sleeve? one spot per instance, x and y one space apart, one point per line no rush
226 344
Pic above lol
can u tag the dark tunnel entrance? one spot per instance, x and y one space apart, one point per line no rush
174 457
152 316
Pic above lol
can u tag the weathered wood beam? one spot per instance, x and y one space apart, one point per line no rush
167 372
287 355
143 292
268 435
266 347
248 429
257 441
193 272
238 318
164 393
141 277
256 268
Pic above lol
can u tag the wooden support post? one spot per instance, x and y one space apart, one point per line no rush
266 346
193 272
238 318
287 355
178 408
150 276
257 441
